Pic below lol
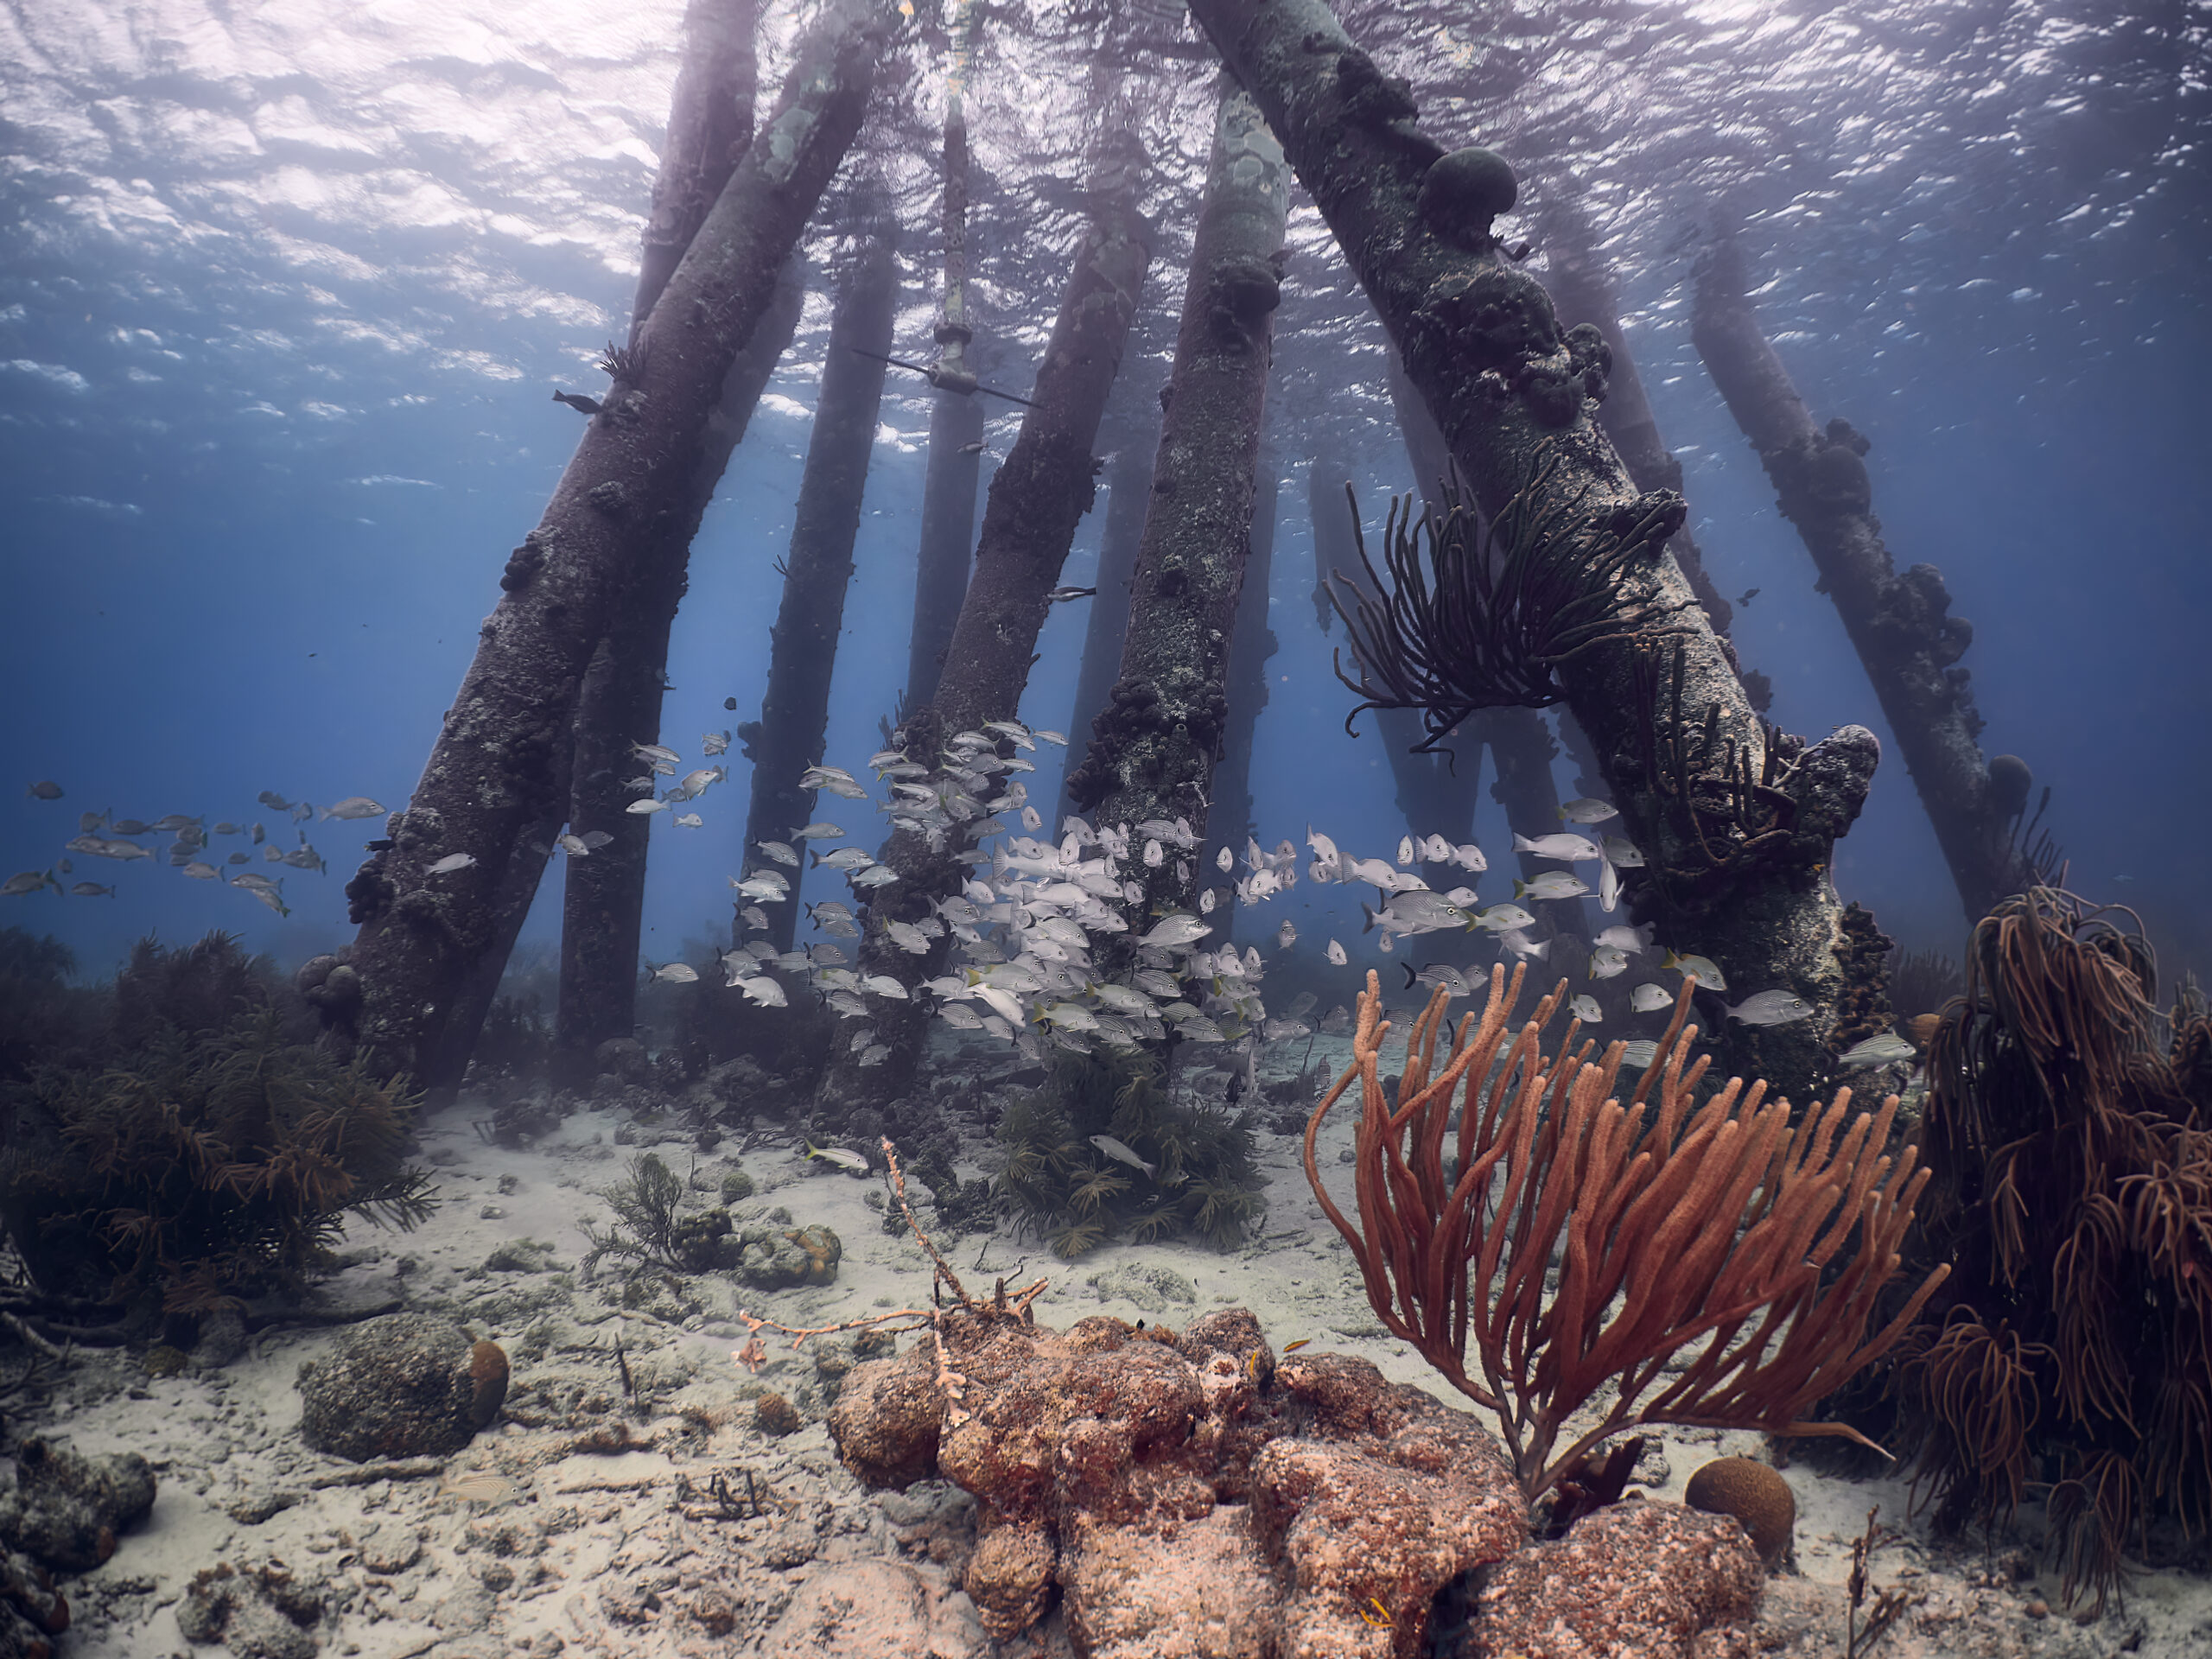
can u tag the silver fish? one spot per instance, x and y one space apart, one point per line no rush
354 806
835 779
1623 938
176 822
131 826
1586 810
1586 1009
1887 1049
1775 1008
695 783
646 809
1286 935
451 862
753 916
1121 1154
1418 911
1639 1053
820 831
1707 971
1649 998
667 757
1552 883
1455 984
199 872
574 846
1336 955
1606 961
715 743
45 789
781 851
1174 931
28 881
1573 849
689 820
845 858
876 875
676 973
1501 919
762 992
91 890
275 901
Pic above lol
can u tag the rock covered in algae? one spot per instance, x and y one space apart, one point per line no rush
402 1385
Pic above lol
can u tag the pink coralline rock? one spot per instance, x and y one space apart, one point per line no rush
1654 1580
1190 1498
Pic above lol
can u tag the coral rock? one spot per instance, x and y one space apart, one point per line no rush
401 1386
1010 1577
1647 1579
64 1509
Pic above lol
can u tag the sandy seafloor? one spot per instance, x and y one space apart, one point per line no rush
623 1553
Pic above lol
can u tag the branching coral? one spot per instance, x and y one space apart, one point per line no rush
2069 1133
1714 1228
1493 616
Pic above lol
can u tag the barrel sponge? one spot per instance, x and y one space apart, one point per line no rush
1462 192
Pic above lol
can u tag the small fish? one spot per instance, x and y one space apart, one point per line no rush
131 826
1649 998
1455 984
819 831
845 858
1705 969
754 917
876 875
254 881
1503 919
1032 819
273 801
227 829
354 806
1336 955
666 757
1174 931
688 820
177 823
1406 850
839 1156
1044 736
101 847
1289 1348
28 881
1887 1049
646 809
451 862
1586 810
696 784
676 973
91 890
1775 1008
1606 961
847 1005
1622 853
1206 902
1062 595
1336 1022
1572 849
1552 883
1518 941
270 897
1747 595
240 858
1470 858
1224 860
45 789
781 851
577 401
88 822
1586 1009
304 857
959 1016
907 937
1286 935
1121 1154
301 810
973 446
1639 1053
1417 912
574 846
715 743
199 872
763 992
764 885
835 779
1621 937
480 1487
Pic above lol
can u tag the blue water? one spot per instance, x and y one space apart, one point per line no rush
283 295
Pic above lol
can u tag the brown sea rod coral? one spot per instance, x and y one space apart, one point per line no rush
1713 1230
